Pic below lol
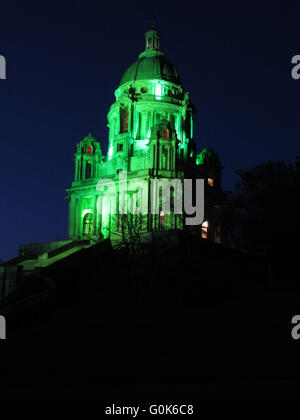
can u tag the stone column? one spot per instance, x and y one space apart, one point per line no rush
83 169
95 227
76 168
77 218
72 210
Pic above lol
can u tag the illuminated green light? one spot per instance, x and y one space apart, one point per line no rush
142 145
110 152
149 95
105 228
158 90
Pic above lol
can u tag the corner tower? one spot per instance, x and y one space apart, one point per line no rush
87 158
82 200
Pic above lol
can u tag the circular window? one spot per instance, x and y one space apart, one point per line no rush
144 90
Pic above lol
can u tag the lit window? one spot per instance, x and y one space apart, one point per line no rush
166 134
211 182
205 230
89 151
162 220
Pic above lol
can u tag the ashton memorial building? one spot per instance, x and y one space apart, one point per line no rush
151 136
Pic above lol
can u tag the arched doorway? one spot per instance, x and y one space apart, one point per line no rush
88 224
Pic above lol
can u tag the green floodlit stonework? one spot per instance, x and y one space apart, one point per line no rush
151 136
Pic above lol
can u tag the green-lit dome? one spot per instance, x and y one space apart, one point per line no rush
152 64
147 68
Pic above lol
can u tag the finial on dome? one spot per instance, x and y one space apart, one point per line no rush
154 20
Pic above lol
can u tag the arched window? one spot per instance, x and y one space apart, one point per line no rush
124 118
89 150
88 224
88 172
166 134
164 158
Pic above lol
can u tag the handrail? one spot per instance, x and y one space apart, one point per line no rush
66 247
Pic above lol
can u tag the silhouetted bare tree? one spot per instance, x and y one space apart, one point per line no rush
263 215
127 232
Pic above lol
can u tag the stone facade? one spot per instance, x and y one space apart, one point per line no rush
151 136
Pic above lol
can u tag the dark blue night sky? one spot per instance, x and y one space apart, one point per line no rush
65 59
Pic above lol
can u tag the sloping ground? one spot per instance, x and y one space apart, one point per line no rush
162 323
200 351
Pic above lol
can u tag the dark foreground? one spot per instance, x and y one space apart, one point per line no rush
175 327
